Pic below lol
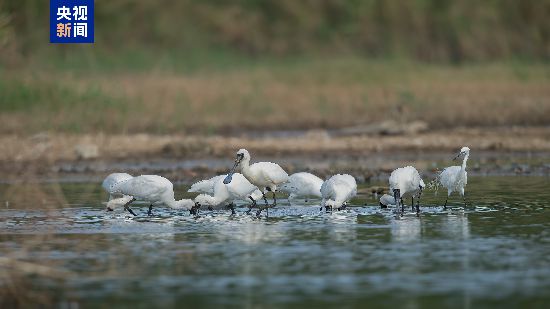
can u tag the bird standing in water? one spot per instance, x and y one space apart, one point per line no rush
455 178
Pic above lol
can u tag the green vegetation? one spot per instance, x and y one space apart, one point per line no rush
429 30
317 92
205 66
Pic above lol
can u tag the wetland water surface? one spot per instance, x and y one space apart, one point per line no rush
496 252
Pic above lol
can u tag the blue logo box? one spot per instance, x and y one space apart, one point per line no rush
71 21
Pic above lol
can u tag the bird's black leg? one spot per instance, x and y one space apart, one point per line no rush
127 208
446 200
251 205
402 206
260 208
150 211
418 202
464 198
265 198
232 207
274 198
412 203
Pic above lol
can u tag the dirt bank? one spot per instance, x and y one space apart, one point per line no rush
49 155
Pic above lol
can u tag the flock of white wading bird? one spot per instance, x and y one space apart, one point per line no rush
256 180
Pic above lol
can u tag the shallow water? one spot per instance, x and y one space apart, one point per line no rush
495 252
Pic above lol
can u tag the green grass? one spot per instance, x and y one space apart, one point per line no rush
172 94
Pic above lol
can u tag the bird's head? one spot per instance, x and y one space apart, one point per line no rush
242 155
117 202
194 210
463 151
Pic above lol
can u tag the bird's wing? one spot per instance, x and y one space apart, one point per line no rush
113 178
394 178
448 176
271 172
257 195
142 187
327 189
240 187
206 186
307 183
344 189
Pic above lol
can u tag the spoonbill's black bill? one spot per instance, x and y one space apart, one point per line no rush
228 179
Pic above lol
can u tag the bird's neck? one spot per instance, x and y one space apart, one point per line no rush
464 162
245 167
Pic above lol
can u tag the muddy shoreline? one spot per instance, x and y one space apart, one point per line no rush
182 158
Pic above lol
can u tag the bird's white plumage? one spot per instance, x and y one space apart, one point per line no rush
387 200
455 178
113 178
302 185
338 190
407 180
115 203
262 174
207 186
153 189
238 189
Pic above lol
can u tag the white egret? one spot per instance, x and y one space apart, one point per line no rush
337 191
207 186
455 178
111 180
265 175
387 200
225 194
405 182
302 185
152 189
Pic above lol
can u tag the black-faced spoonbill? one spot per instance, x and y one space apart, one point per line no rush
405 182
207 186
455 178
152 189
302 185
266 175
225 194
113 178
337 191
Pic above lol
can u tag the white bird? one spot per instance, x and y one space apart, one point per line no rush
264 175
455 178
113 178
225 194
406 182
387 200
207 186
337 191
302 185
152 189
